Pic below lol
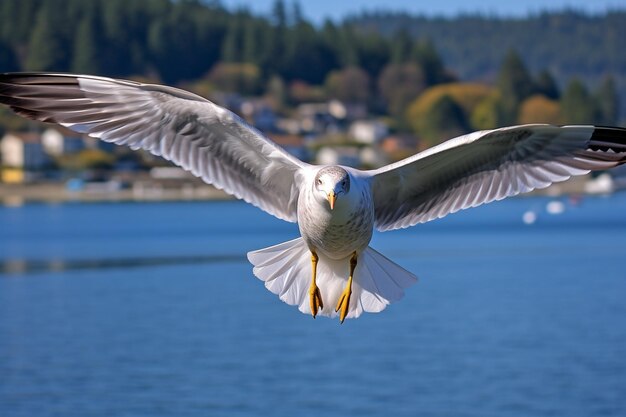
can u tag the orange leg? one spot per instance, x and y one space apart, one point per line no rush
315 297
344 300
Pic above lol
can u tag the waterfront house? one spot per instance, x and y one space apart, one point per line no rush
21 152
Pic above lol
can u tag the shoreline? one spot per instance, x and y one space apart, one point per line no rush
151 191
19 194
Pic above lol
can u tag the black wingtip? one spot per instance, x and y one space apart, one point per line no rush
608 138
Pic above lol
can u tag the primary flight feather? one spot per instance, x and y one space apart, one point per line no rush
330 270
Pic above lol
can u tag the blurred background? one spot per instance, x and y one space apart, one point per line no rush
142 303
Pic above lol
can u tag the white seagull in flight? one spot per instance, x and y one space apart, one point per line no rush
336 207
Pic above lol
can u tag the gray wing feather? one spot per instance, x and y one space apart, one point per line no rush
201 137
490 165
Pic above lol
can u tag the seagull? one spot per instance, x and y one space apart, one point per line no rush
330 270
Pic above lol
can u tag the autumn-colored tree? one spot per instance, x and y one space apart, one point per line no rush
468 96
539 109
488 113
445 119
236 78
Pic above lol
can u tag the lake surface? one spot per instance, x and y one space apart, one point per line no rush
152 310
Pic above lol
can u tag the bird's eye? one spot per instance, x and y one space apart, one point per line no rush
319 181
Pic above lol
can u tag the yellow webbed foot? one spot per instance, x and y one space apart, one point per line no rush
315 299
344 302
343 305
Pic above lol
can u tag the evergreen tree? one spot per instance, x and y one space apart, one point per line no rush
607 103
46 51
425 55
577 105
276 45
85 56
231 46
307 58
250 42
8 59
401 46
515 85
545 84
374 54
17 18
342 40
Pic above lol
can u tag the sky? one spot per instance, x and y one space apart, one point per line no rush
319 10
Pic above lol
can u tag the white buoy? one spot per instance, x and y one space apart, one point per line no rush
529 217
555 207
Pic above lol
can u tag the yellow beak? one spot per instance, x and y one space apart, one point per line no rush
331 199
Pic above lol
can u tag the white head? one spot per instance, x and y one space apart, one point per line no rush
331 182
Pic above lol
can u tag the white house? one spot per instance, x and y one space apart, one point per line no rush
23 150
368 131
56 143
339 155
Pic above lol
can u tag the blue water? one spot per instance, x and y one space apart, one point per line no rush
152 310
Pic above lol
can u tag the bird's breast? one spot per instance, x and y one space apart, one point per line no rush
339 232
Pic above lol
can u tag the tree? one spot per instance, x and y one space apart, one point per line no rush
307 57
8 59
373 53
467 95
85 57
250 42
343 43
425 55
607 102
47 49
401 46
577 105
488 113
399 85
274 60
350 84
443 120
232 45
515 85
546 85
540 109
236 78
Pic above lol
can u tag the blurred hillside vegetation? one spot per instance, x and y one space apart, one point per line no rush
432 77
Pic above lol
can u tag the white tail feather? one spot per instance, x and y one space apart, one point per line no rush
286 270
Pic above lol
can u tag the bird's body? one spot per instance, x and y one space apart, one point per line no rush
330 270
345 229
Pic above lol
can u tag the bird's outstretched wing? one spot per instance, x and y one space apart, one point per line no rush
490 165
201 137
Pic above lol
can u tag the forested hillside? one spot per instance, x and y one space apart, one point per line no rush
568 44
426 74
182 39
